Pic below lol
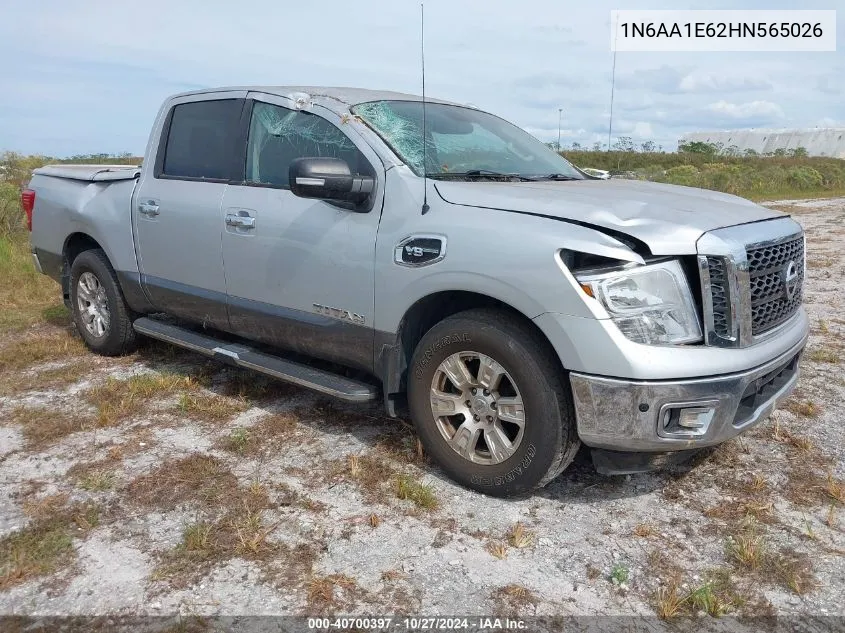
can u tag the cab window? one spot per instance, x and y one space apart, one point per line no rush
279 135
200 139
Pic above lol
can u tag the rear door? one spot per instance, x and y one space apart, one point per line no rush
300 273
177 215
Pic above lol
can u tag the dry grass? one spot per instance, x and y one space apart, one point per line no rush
830 519
197 478
98 475
801 408
324 592
271 434
392 575
98 481
231 523
784 436
513 599
834 488
499 549
823 356
669 602
808 485
117 400
719 595
736 511
27 298
379 479
45 545
18 382
750 554
240 533
520 537
757 484
746 550
817 263
644 530
792 570
42 426
206 407
43 346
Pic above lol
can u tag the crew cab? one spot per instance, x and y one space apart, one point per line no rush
375 246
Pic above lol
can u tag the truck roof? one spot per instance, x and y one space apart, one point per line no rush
324 94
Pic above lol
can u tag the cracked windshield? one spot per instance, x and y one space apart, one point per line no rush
462 142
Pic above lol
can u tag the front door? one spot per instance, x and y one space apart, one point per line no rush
177 214
299 273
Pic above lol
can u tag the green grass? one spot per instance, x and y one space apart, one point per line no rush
422 495
45 544
26 297
758 178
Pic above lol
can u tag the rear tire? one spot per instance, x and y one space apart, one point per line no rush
99 310
506 425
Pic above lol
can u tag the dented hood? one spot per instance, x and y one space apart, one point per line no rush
669 219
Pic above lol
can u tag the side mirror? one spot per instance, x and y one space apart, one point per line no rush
328 179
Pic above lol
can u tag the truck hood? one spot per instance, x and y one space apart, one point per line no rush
669 219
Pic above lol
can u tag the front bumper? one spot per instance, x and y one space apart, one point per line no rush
627 415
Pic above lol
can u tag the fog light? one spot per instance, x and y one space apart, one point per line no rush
687 419
697 418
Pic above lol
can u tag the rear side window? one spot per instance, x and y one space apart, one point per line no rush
201 139
278 135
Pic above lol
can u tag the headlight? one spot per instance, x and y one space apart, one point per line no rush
650 304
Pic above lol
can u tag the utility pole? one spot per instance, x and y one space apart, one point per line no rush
612 83
559 119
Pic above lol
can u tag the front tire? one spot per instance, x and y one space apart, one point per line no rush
99 310
489 403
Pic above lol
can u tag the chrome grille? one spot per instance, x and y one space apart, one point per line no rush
770 305
751 280
719 295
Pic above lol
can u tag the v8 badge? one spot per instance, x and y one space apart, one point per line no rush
420 250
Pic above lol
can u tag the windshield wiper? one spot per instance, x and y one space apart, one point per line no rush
558 177
480 173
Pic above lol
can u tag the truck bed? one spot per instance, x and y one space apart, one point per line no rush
90 173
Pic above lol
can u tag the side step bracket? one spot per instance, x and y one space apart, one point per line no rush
244 356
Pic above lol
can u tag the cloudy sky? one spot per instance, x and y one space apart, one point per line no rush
89 76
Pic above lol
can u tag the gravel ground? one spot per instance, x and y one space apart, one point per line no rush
226 494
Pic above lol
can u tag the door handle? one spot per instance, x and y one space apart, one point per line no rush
240 221
150 209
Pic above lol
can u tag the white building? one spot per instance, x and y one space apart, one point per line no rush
818 142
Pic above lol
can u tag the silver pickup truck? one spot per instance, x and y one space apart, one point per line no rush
372 245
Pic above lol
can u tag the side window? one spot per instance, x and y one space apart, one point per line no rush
201 139
278 135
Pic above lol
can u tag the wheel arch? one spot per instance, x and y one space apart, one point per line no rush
395 354
75 243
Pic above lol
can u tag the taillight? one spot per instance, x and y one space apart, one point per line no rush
28 204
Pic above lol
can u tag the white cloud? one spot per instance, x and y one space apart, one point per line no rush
830 122
828 84
718 82
743 111
642 130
